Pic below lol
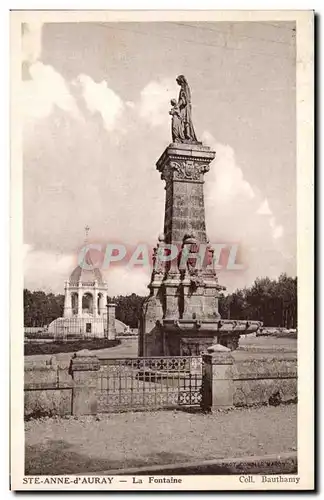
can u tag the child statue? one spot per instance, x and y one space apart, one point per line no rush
176 125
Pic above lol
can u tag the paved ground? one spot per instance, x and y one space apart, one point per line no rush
67 446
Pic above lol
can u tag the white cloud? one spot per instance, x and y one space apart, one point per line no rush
228 180
124 280
228 193
45 90
32 41
99 98
237 212
155 102
277 231
46 270
264 208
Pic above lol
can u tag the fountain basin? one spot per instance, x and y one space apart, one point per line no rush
206 332
218 326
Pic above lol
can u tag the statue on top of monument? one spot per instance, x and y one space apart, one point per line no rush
176 124
182 126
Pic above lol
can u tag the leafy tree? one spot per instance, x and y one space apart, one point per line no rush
40 308
274 302
128 308
224 305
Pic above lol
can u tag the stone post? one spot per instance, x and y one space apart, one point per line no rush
111 324
217 384
84 368
102 304
79 300
95 299
67 301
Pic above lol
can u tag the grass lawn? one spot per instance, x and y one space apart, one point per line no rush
115 441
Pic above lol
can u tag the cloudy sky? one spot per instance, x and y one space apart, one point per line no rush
95 102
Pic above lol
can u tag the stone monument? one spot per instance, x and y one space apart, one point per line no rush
180 316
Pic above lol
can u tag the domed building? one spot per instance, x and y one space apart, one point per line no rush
86 311
85 293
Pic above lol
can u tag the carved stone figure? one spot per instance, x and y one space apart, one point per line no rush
158 252
193 265
184 105
176 124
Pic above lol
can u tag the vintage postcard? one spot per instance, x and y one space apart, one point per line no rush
162 330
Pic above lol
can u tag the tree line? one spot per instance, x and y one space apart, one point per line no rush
42 308
274 302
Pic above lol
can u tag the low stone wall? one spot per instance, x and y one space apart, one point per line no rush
47 402
228 382
51 389
48 391
264 380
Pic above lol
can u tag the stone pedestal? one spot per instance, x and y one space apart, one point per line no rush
84 369
217 384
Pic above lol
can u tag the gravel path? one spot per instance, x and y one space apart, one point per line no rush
90 444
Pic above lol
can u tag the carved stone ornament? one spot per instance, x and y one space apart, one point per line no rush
185 170
158 264
196 279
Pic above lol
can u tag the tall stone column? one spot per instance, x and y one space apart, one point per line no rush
183 167
188 290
